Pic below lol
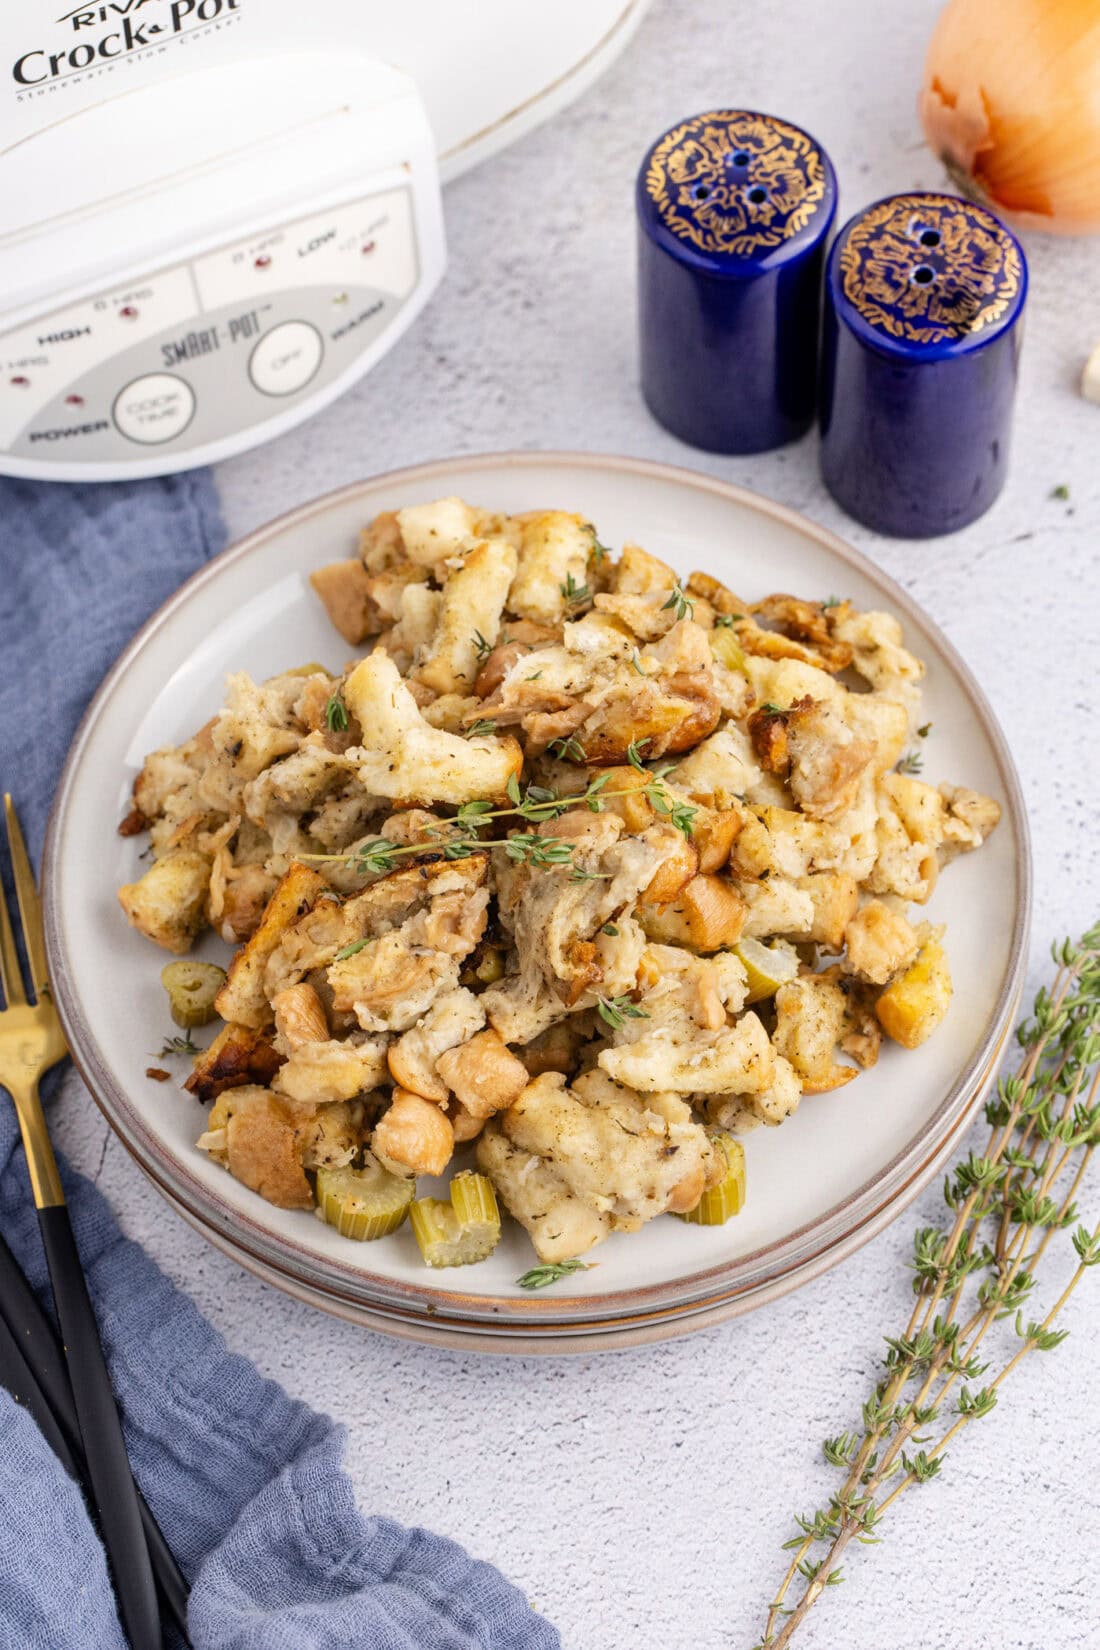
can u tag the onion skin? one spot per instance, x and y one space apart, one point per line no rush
1011 105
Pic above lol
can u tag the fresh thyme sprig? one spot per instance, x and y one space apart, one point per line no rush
457 838
336 715
177 1045
911 762
1008 1204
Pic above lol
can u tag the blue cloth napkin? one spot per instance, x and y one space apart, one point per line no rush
246 1484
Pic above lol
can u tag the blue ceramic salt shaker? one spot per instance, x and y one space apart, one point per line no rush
734 210
924 294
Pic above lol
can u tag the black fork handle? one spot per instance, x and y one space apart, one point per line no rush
110 1479
28 1327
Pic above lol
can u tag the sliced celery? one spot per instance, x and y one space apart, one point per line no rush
727 649
767 967
192 988
364 1203
721 1202
462 1231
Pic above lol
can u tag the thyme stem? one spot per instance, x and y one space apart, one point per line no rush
1044 1128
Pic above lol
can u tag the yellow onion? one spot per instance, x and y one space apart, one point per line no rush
1011 104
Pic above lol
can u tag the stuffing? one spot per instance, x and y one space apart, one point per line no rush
345 589
242 998
810 1020
835 899
407 758
430 533
557 921
553 561
912 1007
337 1069
879 656
627 1155
777 906
574 862
685 1041
560 1225
168 903
826 760
706 915
720 769
473 601
238 1056
969 819
879 942
483 1074
452 1021
264 1141
773 1105
784 842
299 1017
413 1136
617 692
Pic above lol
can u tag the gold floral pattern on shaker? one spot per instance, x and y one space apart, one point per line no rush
736 183
930 269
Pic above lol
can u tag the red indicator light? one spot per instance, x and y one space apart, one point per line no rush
128 312
262 262
21 382
368 248
74 400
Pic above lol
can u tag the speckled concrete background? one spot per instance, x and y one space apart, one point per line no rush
641 1497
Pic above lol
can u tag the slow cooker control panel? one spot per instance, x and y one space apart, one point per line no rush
197 353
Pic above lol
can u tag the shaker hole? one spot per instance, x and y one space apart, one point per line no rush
930 237
922 275
741 157
701 192
757 194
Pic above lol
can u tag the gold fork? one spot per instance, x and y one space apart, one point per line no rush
31 1041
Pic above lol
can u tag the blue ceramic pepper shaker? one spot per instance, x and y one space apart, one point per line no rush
734 210
924 295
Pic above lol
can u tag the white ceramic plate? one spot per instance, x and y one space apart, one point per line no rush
818 1186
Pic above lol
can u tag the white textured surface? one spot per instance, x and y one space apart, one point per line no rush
640 1497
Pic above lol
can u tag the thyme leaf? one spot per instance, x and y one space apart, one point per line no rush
616 1011
681 605
551 1271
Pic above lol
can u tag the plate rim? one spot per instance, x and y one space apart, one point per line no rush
772 1268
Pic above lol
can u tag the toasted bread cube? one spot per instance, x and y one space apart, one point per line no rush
835 897
344 588
264 1144
239 1056
880 943
242 997
910 1010
168 904
484 1074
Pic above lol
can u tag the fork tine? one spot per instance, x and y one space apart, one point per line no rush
10 977
30 910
